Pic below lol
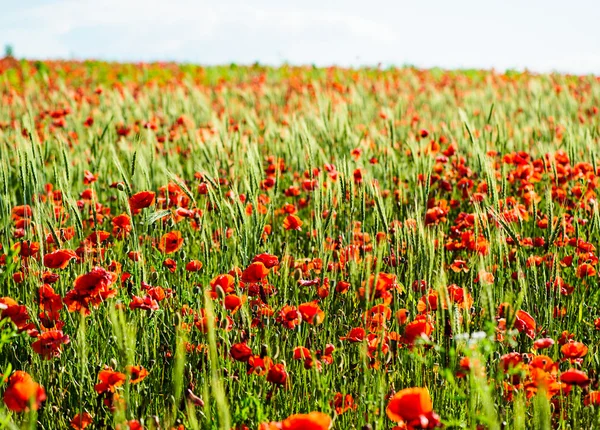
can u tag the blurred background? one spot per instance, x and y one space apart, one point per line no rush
541 36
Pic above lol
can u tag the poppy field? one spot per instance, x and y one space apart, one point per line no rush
187 247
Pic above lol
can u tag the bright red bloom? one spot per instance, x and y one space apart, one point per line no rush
23 392
311 313
81 421
421 327
277 374
258 365
90 290
27 248
49 343
460 297
292 222
136 374
49 300
95 282
525 323
356 334
109 380
121 226
224 282
233 302
240 352
311 421
268 260
573 350
290 317
413 407
585 270
89 177
18 314
343 403
543 343
575 377
59 259
301 353
254 273
193 266
170 265
146 303
98 237
170 242
141 200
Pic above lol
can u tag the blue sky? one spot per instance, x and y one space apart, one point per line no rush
551 35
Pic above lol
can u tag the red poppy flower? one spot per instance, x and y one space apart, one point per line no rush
170 265
356 334
258 365
18 314
254 273
573 350
510 360
290 317
525 323
240 352
23 392
89 177
90 290
146 303
50 278
585 270
311 421
402 316
543 343
49 300
460 297
413 407
268 260
59 259
193 266
141 200
170 242
428 303
224 282
81 421
277 374
343 403
136 374
421 327
292 222
342 287
301 353
575 377
121 226
27 248
311 313
233 302
49 343
23 211
109 380
98 237
459 266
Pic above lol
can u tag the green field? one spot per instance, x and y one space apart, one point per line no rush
237 247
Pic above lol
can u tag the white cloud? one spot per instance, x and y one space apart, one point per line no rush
173 24
542 35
